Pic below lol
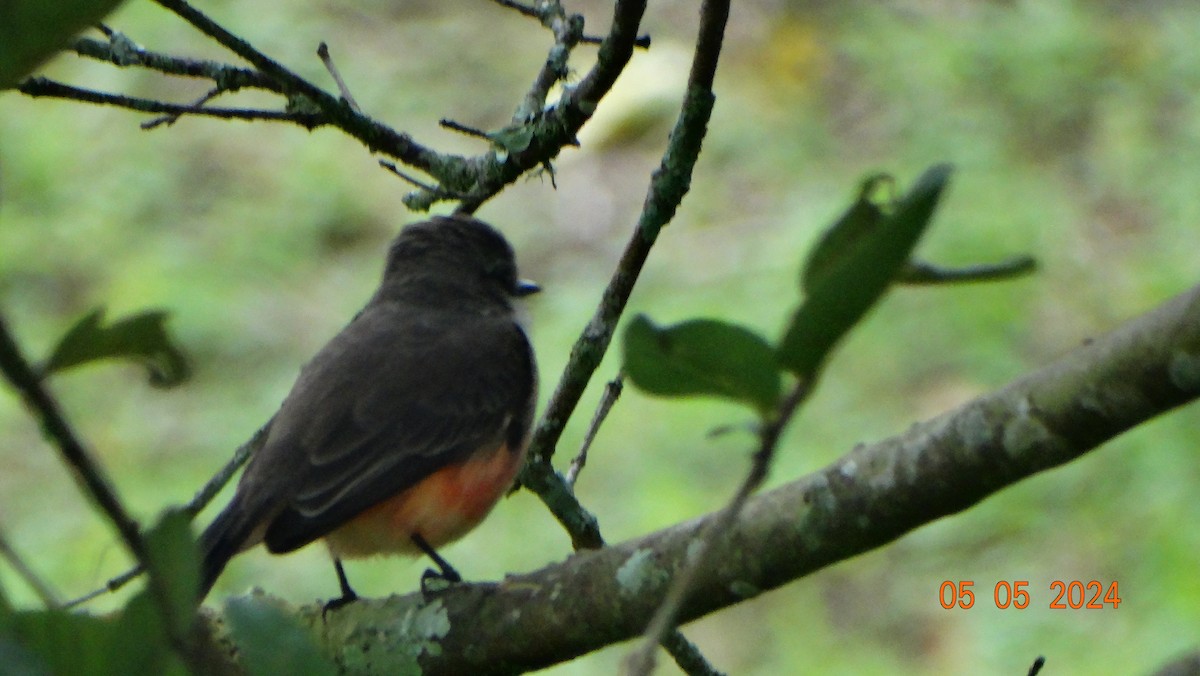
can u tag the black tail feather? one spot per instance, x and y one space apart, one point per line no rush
225 536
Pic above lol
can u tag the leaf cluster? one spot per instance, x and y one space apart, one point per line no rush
866 250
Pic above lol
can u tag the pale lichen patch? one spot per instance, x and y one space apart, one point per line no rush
1024 433
639 573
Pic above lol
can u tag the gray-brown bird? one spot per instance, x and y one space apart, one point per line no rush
404 431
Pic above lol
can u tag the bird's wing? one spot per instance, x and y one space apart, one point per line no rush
385 405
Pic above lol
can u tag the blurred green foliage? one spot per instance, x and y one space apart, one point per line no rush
31 31
1074 128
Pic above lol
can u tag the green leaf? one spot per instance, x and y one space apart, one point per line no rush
15 659
921 273
702 357
860 221
31 31
850 283
58 642
142 338
272 642
175 561
143 638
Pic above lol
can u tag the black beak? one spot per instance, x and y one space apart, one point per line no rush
526 287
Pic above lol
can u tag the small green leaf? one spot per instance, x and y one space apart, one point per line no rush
33 30
850 283
141 337
860 221
271 642
702 357
175 561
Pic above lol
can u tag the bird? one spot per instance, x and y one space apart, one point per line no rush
406 428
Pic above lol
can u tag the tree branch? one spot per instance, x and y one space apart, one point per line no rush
122 52
668 185
86 472
194 506
40 587
40 86
873 495
560 123
475 179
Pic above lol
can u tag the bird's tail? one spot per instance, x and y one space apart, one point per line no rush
227 535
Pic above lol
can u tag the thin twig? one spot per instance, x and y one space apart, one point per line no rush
85 470
18 372
214 485
172 119
522 8
123 53
194 506
40 86
471 180
376 136
464 129
567 32
391 166
641 661
292 83
612 391
323 53
43 590
111 586
641 42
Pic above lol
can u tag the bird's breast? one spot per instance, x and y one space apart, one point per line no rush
442 507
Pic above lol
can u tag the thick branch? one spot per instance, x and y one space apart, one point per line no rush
873 495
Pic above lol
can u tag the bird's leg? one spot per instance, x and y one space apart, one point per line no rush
447 573
348 594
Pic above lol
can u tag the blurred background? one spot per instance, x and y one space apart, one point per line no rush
1075 128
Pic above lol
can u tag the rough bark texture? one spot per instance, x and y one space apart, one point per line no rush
871 496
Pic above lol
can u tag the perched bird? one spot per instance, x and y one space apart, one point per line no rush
402 433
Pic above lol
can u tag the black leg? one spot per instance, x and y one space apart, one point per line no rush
447 574
348 595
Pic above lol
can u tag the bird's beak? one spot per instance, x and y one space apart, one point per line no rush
526 287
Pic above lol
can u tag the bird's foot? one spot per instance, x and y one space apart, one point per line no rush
335 604
434 582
